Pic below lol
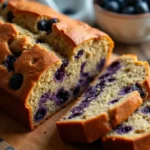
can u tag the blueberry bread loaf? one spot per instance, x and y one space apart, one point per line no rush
108 101
46 60
133 134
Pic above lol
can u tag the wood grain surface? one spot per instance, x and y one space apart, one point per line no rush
45 137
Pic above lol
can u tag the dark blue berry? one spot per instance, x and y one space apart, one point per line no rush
112 6
146 110
142 7
122 129
68 11
5 4
16 81
62 96
46 25
9 63
132 2
50 23
79 54
129 10
42 25
102 3
40 114
113 101
101 65
10 16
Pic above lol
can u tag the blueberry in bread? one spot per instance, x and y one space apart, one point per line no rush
117 92
133 134
40 77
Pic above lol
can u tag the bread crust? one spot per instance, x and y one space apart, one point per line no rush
118 143
74 31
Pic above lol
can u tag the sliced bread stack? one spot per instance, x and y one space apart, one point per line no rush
115 94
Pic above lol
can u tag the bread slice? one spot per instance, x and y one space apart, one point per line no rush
36 78
133 134
110 100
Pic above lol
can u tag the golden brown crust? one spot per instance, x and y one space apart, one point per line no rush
121 112
84 131
118 143
75 31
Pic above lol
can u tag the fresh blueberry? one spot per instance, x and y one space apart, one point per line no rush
146 110
9 63
42 25
68 11
79 54
123 129
50 23
112 6
10 16
62 96
5 4
40 114
101 65
129 10
102 3
132 2
142 7
113 101
137 87
16 81
122 3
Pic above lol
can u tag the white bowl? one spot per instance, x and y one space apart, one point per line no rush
129 29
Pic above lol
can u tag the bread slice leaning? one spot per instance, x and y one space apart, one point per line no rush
114 95
133 134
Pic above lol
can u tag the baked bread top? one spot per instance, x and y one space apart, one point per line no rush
32 15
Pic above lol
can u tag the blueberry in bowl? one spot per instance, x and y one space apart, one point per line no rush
127 21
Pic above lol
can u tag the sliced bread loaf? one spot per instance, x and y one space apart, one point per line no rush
38 78
110 100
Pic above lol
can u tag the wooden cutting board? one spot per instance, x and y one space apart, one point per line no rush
44 137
